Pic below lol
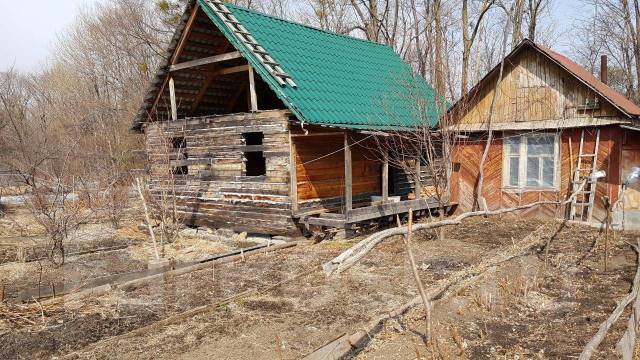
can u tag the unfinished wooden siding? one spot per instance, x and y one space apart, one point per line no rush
467 162
534 89
320 170
216 191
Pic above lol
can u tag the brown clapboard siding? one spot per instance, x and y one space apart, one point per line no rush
469 152
320 167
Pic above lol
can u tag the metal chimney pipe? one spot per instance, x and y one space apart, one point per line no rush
604 71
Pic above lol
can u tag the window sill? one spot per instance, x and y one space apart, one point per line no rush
530 189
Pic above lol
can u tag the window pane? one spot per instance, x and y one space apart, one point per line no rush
547 171
513 145
514 170
540 145
533 171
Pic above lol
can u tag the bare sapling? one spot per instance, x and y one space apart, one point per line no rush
416 276
147 218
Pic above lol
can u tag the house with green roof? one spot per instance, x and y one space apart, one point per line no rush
260 124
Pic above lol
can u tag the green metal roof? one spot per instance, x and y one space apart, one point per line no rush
341 81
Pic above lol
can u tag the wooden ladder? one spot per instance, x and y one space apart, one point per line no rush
585 198
243 35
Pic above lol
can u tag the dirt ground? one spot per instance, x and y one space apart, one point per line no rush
132 251
287 307
524 309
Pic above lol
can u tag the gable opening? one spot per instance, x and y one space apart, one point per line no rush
210 77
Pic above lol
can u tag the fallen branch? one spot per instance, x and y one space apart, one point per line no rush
351 256
626 344
592 345
347 345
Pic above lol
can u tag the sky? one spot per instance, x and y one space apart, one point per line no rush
26 45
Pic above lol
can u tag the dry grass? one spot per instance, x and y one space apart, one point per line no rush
185 248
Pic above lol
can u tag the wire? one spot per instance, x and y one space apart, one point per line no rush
337 151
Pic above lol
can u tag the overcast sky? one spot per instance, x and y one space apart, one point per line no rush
26 44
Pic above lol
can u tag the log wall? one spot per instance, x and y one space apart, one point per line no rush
467 161
215 191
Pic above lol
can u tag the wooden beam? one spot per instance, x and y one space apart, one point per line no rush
418 183
185 34
232 70
253 97
172 95
336 133
385 176
207 60
293 175
388 209
176 54
348 179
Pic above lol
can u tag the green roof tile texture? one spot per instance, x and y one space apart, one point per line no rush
341 81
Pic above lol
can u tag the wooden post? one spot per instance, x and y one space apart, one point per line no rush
418 184
293 175
172 95
385 177
253 98
348 180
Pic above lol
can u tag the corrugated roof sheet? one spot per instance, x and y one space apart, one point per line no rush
341 81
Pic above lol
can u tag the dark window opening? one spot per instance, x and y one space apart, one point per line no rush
180 170
255 162
180 143
253 138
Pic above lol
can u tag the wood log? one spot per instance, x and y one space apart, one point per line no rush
351 256
592 345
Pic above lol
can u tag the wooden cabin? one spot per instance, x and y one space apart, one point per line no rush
554 125
263 125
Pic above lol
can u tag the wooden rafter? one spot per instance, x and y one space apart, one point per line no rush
185 34
207 81
205 61
176 54
253 97
236 96
209 78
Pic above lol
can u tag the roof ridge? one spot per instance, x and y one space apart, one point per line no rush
311 27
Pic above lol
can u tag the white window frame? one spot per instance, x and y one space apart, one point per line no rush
522 168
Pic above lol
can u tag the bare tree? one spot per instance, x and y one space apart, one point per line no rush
469 34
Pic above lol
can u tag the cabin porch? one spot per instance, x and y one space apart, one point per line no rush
343 178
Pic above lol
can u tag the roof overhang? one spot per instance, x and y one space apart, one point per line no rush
541 124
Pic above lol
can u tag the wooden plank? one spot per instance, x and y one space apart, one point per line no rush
373 212
385 177
348 180
332 223
207 60
232 70
253 97
185 34
312 134
172 95
293 176
418 183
